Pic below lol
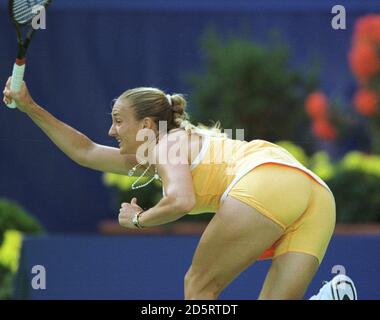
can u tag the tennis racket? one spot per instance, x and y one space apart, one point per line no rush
22 13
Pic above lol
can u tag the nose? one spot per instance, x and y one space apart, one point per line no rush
111 131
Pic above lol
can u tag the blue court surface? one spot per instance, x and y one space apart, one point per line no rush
152 267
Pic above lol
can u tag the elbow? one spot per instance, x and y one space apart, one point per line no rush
185 205
81 161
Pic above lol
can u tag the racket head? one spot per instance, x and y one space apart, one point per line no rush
21 11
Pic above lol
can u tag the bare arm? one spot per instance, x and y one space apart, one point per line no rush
78 147
179 196
73 143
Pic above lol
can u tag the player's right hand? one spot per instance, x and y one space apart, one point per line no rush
22 98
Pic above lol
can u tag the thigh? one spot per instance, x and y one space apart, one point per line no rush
289 276
235 237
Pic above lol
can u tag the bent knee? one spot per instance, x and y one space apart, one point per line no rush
199 285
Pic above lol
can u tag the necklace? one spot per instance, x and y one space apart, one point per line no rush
132 171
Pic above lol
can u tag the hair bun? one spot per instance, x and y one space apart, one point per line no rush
178 103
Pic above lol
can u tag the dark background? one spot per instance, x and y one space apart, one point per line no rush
93 50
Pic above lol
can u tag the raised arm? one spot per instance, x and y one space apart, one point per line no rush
73 143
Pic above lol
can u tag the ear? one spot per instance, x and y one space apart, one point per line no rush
148 123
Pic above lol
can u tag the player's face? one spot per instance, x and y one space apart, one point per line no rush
125 128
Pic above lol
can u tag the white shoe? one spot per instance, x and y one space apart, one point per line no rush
341 287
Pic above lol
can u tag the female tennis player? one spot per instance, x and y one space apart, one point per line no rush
266 204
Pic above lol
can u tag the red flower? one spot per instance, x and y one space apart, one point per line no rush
316 105
364 61
367 29
324 130
365 102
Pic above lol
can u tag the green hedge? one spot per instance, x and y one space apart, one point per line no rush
356 187
13 216
14 221
248 85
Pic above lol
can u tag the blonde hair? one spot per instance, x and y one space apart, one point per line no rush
154 103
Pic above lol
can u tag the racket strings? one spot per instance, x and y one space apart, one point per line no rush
22 10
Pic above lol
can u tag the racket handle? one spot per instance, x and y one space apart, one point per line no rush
16 82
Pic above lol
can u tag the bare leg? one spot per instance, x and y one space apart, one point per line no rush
289 276
235 237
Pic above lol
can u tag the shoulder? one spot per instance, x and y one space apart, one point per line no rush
171 144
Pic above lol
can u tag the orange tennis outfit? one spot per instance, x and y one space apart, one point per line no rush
268 178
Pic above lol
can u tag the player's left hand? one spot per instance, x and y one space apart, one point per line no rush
127 212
